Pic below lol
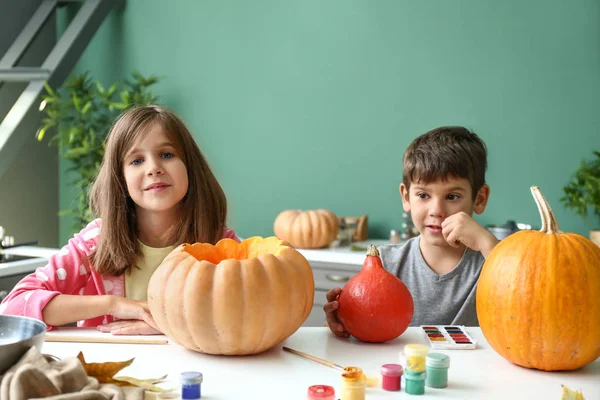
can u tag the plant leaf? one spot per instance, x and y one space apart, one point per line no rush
49 89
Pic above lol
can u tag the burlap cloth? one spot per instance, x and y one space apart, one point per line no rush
36 376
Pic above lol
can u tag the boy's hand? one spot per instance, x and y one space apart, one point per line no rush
331 313
460 228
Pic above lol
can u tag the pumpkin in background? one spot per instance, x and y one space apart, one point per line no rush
311 229
538 297
375 305
231 298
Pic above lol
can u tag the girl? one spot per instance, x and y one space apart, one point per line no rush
153 192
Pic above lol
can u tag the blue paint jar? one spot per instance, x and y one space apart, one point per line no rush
190 385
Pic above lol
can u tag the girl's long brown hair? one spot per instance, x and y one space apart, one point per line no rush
203 209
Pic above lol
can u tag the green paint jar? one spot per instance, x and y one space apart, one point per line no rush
437 365
414 382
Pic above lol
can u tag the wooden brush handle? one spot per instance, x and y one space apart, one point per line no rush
101 339
313 358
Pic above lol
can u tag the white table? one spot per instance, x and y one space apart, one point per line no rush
275 374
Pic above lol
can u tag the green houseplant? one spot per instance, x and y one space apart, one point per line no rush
582 193
79 114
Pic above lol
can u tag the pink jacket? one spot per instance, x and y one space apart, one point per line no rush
68 272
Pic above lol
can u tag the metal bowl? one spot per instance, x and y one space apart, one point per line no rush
17 335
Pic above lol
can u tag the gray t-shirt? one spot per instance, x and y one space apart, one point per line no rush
447 299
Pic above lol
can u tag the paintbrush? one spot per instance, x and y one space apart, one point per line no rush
315 359
372 380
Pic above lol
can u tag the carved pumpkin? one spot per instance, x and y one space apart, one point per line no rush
375 305
538 297
231 298
311 229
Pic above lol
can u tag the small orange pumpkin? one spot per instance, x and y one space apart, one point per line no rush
231 298
310 229
538 297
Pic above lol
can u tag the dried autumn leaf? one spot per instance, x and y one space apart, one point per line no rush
143 383
570 394
104 372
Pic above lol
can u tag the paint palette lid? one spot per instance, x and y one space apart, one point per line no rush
437 360
391 370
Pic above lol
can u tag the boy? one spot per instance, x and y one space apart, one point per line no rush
443 183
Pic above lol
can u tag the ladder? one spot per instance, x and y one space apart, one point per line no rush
54 70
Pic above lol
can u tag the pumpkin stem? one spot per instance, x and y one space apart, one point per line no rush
549 223
372 251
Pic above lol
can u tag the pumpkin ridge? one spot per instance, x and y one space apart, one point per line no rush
253 321
269 300
166 270
278 289
292 275
305 219
304 275
169 271
179 274
202 272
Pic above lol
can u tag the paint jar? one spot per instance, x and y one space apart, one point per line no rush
353 386
415 382
415 357
320 392
437 365
190 385
390 376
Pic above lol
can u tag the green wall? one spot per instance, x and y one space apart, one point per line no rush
310 104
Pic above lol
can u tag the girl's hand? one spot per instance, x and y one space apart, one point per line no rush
129 327
127 309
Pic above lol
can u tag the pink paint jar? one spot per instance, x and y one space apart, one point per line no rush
390 376
320 392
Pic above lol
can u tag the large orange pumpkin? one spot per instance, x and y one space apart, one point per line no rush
311 229
232 298
538 297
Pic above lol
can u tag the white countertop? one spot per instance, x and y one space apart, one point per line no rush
341 255
41 254
33 251
275 374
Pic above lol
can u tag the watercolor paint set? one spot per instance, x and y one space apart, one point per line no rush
448 337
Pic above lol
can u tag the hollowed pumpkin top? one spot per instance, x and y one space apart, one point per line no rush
227 249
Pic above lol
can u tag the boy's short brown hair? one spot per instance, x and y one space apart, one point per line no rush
447 151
